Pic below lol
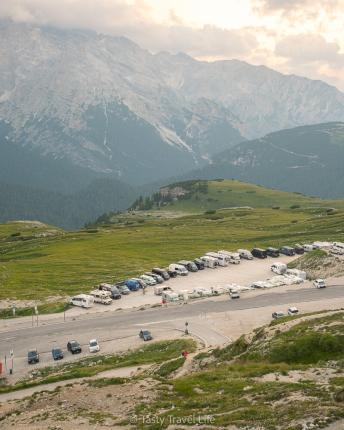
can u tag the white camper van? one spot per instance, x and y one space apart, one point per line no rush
279 268
159 289
308 247
101 296
170 296
82 300
181 270
245 254
232 257
210 262
221 258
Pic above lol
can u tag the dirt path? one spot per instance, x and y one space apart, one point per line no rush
123 372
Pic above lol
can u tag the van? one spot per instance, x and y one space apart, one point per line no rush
272 252
170 296
181 270
162 272
172 273
221 258
159 289
299 249
148 280
210 262
82 300
115 294
245 254
259 253
102 297
307 247
199 263
279 268
189 265
159 279
133 284
287 250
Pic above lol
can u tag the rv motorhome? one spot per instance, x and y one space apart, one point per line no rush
82 300
181 270
232 257
102 297
279 268
221 258
210 262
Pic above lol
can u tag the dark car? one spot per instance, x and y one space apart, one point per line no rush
57 353
199 263
287 250
189 265
299 249
172 273
123 289
74 347
159 279
115 294
33 357
162 272
145 335
272 252
259 253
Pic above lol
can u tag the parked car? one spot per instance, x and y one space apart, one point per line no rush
199 263
259 253
293 310
245 254
172 273
132 284
159 279
145 335
123 289
148 280
319 283
234 295
299 249
189 265
272 252
33 357
93 345
162 272
141 283
57 353
74 347
307 247
287 250
278 314
115 293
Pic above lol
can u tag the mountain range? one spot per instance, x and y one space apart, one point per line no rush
81 110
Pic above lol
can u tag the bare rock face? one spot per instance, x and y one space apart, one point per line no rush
106 105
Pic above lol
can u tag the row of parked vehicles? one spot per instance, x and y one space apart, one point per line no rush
105 293
74 347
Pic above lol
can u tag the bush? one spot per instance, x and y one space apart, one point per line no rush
295 206
169 367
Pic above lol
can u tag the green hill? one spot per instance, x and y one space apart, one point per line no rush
202 195
306 159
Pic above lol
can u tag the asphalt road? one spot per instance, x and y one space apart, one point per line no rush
122 324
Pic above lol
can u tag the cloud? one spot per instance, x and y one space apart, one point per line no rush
292 5
308 48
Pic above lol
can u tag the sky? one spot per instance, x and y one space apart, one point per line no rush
303 37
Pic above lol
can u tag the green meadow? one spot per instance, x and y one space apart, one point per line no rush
38 261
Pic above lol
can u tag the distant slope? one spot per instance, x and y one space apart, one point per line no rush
307 159
18 202
203 195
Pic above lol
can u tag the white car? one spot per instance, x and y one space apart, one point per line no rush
293 311
93 345
234 295
319 283
148 280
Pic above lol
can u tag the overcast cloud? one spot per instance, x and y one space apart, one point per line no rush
293 36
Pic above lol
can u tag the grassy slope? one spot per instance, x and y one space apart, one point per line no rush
231 388
231 193
67 263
